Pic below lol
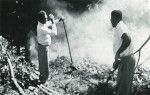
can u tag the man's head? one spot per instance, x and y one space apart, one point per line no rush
116 17
42 17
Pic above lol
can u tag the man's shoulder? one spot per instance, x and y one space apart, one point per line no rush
40 25
122 27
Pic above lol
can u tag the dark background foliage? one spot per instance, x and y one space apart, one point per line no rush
80 5
18 17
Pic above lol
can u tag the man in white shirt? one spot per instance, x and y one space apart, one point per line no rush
45 29
122 47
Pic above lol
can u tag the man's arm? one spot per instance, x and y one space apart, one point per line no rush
126 40
51 31
58 20
46 30
54 29
50 28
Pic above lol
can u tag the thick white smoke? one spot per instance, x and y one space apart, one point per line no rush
90 34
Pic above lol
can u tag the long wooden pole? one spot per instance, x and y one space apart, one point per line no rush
67 42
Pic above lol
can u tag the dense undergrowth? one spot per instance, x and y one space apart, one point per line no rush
89 78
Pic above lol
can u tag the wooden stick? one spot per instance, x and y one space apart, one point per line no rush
68 42
142 45
56 93
45 91
137 64
139 50
13 77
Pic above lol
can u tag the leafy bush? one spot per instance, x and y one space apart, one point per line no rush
89 78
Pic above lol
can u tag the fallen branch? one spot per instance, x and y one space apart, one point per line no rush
13 77
45 89
55 93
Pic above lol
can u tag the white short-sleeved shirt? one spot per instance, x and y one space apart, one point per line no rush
45 31
120 29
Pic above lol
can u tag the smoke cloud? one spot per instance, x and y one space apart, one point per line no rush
90 33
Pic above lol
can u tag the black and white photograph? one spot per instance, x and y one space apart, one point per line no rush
74 47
